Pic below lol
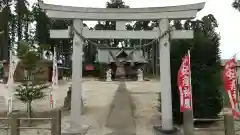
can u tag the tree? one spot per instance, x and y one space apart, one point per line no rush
205 68
5 17
22 15
42 30
236 4
31 86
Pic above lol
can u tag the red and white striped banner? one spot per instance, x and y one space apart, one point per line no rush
230 84
184 84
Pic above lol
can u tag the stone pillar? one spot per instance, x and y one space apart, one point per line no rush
165 77
76 94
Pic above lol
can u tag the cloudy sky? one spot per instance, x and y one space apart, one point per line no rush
227 17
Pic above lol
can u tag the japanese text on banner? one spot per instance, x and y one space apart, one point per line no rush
184 85
230 84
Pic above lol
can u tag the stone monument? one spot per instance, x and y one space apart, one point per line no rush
140 75
109 75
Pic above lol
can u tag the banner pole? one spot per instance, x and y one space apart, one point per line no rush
54 80
190 78
237 90
188 121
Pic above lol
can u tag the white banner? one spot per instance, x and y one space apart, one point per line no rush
13 62
52 96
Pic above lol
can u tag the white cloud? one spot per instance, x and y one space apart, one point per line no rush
227 17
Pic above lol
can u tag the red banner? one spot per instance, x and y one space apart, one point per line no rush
184 85
230 84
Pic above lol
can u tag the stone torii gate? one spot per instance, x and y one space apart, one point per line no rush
163 14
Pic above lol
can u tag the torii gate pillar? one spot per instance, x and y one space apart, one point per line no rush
76 94
165 76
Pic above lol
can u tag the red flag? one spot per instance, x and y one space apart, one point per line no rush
184 84
230 84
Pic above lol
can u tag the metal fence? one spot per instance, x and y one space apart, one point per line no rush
12 126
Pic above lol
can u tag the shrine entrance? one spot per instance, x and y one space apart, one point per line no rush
163 34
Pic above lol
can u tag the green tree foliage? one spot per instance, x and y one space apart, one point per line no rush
5 23
205 68
12 22
31 86
236 4
42 35
22 15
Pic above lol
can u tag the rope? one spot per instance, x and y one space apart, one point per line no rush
97 45
147 44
